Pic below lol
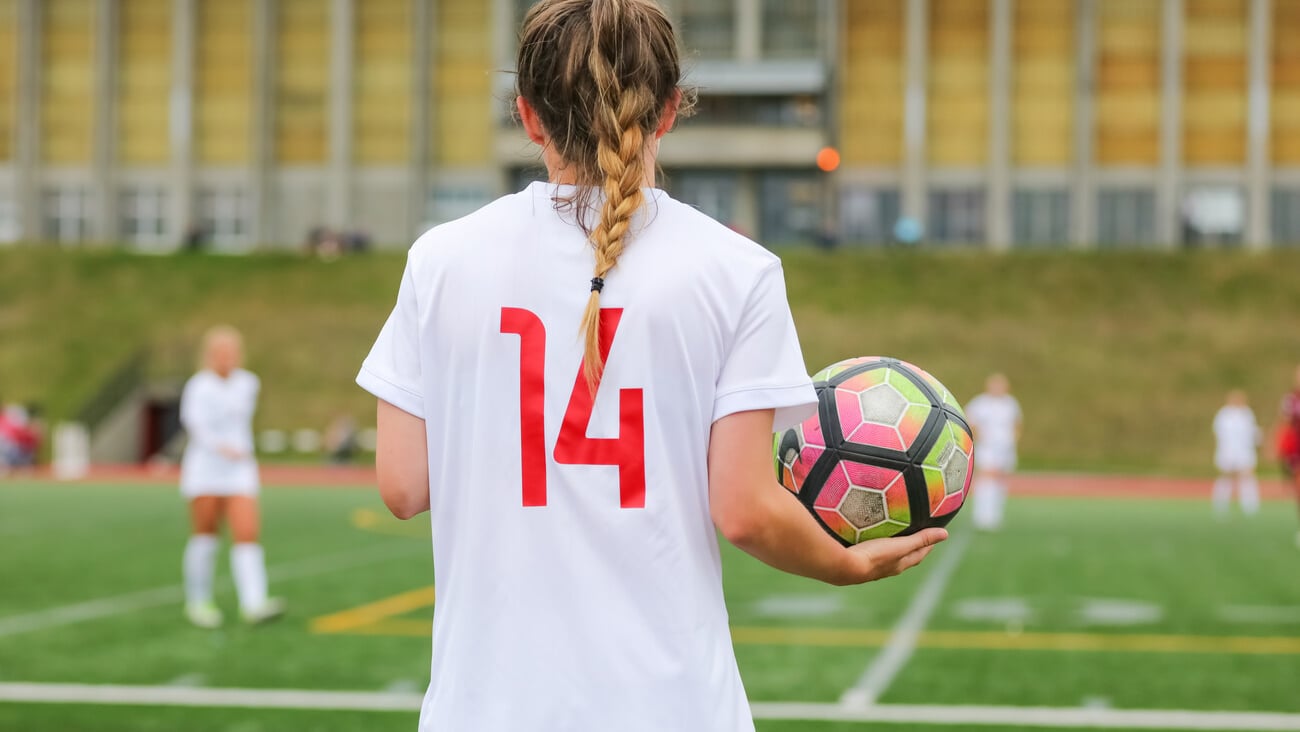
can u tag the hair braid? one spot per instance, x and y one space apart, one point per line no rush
619 121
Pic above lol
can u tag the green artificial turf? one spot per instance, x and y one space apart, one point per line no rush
65 545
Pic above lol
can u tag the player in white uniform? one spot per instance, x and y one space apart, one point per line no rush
1237 437
575 482
219 478
996 419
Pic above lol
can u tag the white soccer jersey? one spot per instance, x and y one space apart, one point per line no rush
995 419
218 412
579 583
1237 438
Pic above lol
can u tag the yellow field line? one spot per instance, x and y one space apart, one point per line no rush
358 619
403 627
377 523
380 618
809 637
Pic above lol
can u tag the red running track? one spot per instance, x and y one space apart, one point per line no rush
1065 485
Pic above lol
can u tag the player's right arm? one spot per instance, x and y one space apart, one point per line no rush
402 461
758 515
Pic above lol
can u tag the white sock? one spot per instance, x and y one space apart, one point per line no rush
987 495
248 565
198 565
1222 494
1249 488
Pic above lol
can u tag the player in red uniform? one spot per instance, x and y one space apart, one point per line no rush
1288 442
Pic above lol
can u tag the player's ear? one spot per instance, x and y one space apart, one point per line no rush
669 117
532 125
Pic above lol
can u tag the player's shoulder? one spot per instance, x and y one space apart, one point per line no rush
708 238
467 232
247 378
202 379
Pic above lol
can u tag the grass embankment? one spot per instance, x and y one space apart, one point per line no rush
1119 360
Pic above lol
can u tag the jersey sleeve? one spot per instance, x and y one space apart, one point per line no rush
392 370
764 366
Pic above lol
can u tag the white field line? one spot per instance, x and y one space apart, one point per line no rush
891 659
143 599
380 701
1002 717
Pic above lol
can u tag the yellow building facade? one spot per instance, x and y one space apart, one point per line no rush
1002 123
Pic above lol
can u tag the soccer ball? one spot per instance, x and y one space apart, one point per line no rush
888 453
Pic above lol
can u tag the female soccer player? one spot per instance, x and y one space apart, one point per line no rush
1237 438
219 478
996 419
1289 449
577 437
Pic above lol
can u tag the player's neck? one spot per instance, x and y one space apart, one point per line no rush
560 173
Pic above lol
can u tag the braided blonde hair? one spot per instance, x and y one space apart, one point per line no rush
600 74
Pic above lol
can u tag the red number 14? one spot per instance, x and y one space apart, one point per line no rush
574 447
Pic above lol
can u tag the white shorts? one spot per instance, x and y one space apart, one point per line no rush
1232 461
999 459
219 478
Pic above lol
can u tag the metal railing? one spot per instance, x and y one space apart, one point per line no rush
124 380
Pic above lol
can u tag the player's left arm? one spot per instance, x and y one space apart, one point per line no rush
402 461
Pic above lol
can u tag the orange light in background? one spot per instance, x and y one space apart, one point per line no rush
828 160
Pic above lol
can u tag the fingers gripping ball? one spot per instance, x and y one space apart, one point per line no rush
888 453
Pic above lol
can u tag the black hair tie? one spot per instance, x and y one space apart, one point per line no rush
597 284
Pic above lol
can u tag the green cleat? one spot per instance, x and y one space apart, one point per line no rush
204 615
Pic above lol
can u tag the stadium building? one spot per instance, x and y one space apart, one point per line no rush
1000 123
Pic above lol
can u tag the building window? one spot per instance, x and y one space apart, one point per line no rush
451 202
791 206
713 193
1041 218
144 215
956 216
67 215
868 215
1126 218
1286 216
709 27
10 227
790 29
224 218
773 111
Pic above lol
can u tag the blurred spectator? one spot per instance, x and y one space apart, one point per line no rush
20 438
341 440
907 231
196 240
329 244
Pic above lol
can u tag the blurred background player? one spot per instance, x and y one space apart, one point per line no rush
219 477
1288 439
1237 438
995 418
20 438
604 595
